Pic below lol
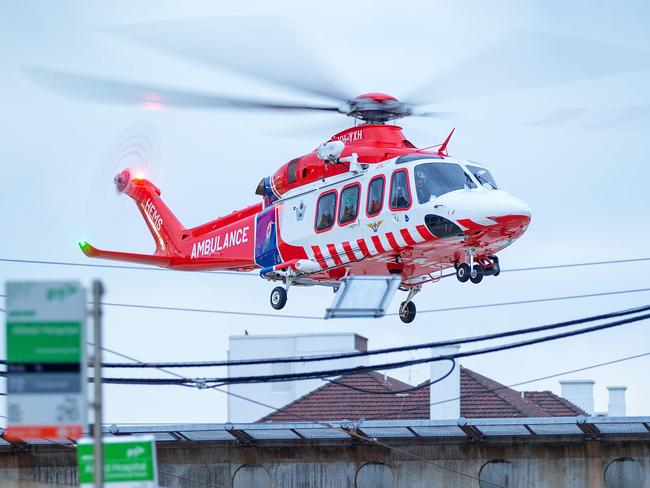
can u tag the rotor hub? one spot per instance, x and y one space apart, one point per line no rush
377 108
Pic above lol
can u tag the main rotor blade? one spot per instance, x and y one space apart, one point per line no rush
265 48
148 97
523 60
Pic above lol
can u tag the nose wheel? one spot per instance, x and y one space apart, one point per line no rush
407 312
278 298
407 309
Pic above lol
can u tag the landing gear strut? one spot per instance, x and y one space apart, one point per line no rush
407 308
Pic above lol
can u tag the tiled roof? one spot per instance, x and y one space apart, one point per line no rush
555 405
335 402
481 397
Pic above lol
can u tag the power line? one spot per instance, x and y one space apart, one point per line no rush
118 266
204 382
389 350
329 425
316 317
403 390
238 273
525 382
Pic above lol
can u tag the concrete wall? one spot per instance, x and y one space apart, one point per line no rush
312 464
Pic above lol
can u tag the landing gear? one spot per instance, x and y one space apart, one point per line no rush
463 272
495 269
407 308
407 312
278 298
476 275
475 270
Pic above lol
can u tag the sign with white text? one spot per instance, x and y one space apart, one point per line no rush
46 360
129 462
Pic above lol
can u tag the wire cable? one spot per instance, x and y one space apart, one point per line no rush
238 273
315 317
203 382
389 350
398 392
525 382
334 427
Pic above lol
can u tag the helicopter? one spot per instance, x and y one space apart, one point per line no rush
366 202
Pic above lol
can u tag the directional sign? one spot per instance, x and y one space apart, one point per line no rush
129 462
46 360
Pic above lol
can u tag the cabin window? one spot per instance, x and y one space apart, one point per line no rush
349 206
375 196
292 171
325 211
483 176
400 193
435 179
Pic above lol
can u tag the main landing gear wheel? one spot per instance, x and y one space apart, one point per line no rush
476 276
495 268
407 312
463 272
278 298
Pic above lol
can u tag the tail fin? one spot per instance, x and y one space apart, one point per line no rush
166 229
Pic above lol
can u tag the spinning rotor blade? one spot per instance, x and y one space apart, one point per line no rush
524 60
265 48
148 97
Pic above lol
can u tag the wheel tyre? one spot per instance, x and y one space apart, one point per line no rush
463 272
476 275
407 313
496 269
278 298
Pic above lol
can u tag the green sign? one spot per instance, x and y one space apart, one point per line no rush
44 342
46 360
129 462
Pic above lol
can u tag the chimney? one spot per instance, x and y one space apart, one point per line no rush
444 396
616 406
579 392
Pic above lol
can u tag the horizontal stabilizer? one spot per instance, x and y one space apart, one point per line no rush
93 252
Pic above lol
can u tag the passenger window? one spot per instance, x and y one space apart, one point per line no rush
349 206
375 196
325 210
400 193
292 171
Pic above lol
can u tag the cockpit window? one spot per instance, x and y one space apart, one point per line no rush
483 176
435 179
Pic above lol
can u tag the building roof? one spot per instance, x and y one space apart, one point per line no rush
555 405
373 396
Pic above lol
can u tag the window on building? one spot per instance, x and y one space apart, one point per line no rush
375 196
349 205
624 473
496 473
325 211
400 193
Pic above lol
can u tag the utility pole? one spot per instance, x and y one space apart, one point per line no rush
98 291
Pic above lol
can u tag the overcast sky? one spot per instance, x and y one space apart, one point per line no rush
585 179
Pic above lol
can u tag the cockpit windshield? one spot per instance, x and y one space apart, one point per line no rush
435 179
483 176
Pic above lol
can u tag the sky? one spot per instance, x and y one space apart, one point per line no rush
583 178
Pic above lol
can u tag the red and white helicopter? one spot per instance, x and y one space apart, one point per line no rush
365 203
